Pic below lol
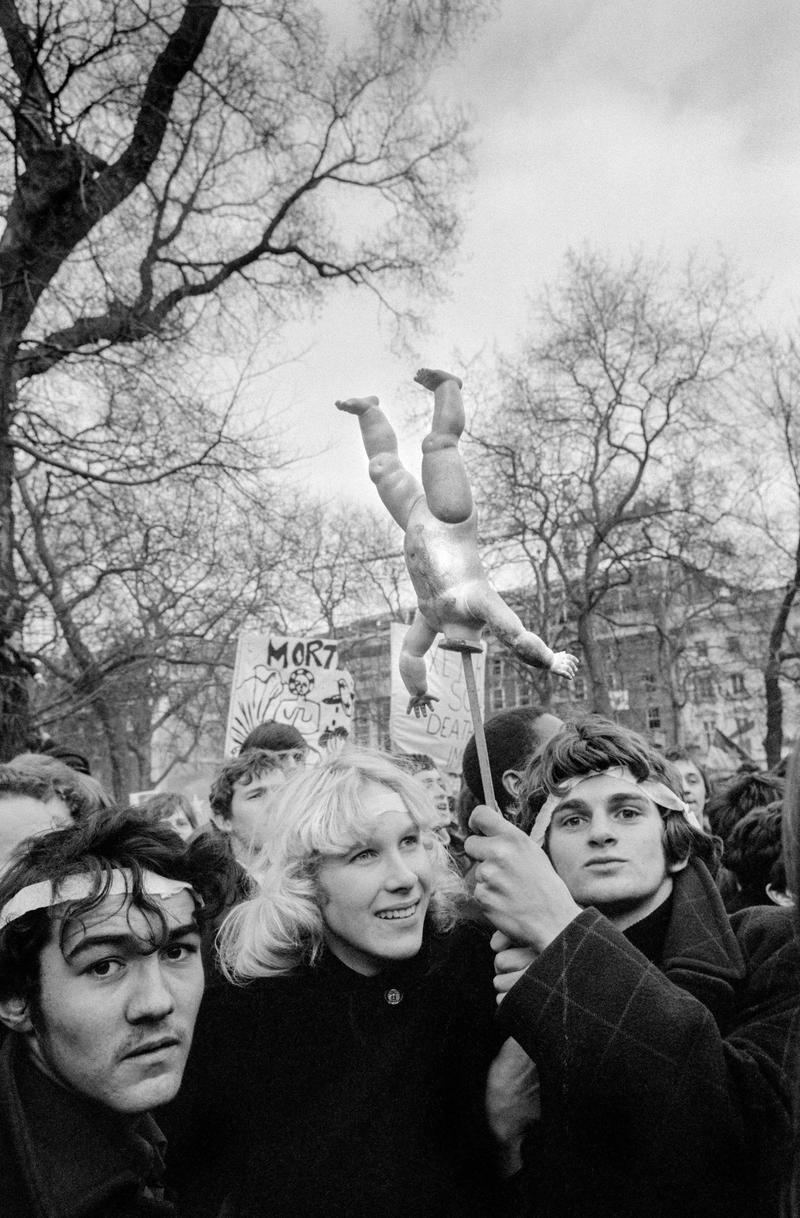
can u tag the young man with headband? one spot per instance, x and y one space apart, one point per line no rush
664 1033
100 982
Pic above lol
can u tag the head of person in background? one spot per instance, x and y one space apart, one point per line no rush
696 786
82 794
738 796
354 868
424 769
29 804
281 739
100 982
754 855
174 810
513 738
242 799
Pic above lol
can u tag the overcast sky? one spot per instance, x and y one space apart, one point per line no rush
663 125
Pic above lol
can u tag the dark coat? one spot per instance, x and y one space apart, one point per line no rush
63 1156
328 1093
665 1086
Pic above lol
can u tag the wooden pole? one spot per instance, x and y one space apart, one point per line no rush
480 735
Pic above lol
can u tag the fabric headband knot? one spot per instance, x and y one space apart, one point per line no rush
45 894
659 792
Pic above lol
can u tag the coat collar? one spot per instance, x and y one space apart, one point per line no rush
72 1153
701 952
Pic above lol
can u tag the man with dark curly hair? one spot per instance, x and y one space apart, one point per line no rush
655 1037
100 982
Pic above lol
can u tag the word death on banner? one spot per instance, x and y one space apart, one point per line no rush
291 680
448 726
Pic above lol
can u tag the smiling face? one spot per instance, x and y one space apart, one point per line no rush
606 842
115 1017
374 898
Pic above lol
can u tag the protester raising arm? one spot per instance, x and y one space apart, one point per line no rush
664 1033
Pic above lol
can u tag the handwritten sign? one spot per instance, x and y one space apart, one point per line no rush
448 726
292 680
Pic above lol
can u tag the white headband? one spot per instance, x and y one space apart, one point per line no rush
76 887
659 792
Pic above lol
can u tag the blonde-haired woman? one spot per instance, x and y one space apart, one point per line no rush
346 1077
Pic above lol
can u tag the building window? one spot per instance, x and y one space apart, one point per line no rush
649 682
703 686
498 698
738 687
523 694
734 644
653 717
497 667
701 649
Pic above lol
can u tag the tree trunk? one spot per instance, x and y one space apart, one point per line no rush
773 740
598 698
15 669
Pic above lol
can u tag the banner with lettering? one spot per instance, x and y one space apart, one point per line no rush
292 680
448 726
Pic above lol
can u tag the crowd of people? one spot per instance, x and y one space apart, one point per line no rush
348 994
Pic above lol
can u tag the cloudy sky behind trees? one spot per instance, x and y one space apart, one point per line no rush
667 127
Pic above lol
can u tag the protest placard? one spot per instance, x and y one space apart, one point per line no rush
292 680
448 726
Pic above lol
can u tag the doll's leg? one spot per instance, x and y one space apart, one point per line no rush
443 474
399 490
416 644
486 603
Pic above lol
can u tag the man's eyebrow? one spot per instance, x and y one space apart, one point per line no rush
623 797
127 941
570 802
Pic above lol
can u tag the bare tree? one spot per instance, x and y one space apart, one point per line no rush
769 505
346 562
587 455
134 595
162 155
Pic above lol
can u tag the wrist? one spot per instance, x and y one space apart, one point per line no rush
545 930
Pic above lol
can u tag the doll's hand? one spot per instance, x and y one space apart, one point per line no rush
564 665
421 704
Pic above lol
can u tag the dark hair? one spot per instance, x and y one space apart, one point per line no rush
111 839
275 737
243 768
164 804
71 757
594 744
754 853
511 738
82 794
738 797
414 763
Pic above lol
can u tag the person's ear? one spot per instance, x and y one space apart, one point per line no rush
673 868
511 780
779 896
221 823
15 1014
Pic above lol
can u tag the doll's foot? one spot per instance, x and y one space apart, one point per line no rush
432 378
357 405
564 665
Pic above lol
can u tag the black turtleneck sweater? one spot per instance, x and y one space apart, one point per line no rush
328 1093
